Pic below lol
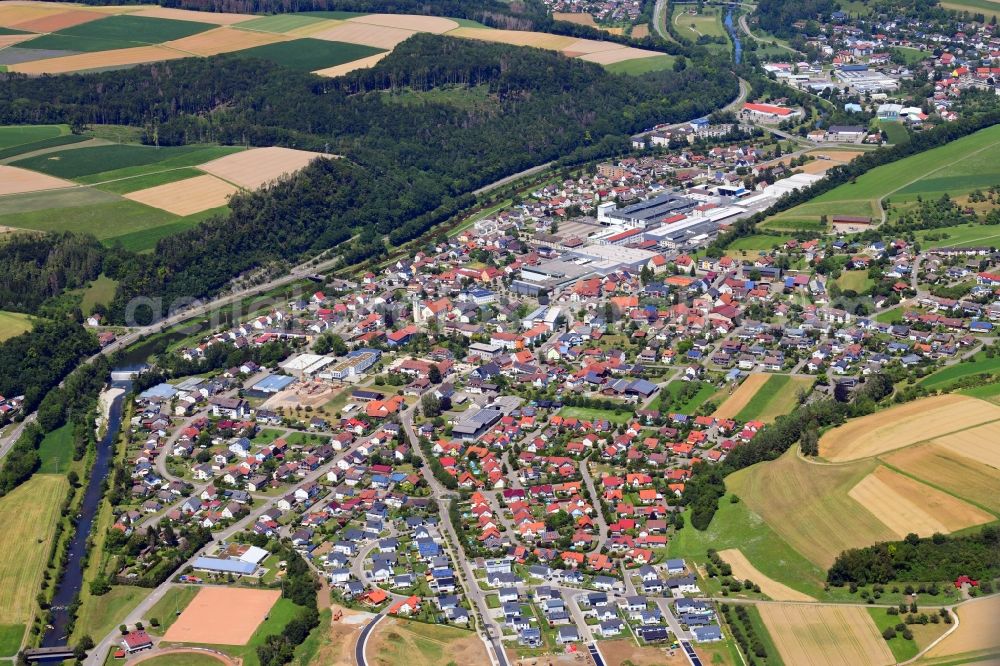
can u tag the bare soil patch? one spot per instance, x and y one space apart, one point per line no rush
620 652
904 425
254 168
223 40
743 394
366 34
14 180
434 24
98 60
347 67
222 616
640 31
828 635
743 570
905 505
579 18
186 197
395 642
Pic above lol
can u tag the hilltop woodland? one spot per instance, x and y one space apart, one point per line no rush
401 173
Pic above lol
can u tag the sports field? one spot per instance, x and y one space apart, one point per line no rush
743 569
12 324
903 425
828 635
957 168
28 515
168 609
222 616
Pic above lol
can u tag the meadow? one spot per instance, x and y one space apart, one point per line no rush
29 515
857 281
56 451
978 364
13 324
642 65
961 166
989 8
592 414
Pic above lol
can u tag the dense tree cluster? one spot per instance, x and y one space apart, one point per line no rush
401 173
936 558
778 16
33 363
36 267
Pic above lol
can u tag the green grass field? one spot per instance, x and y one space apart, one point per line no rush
642 65
128 217
146 239
705 391
778 396
136 183
590 414
103 163
962 165
855 280
11 636
29 515
895 131
912 56
101 290
890 316
963 235
809 506
18 135
945 376
116 32
13 324
102 614
170 606
736 526
309 54
280 23
56 451
989 8
693 26
791 224
758 242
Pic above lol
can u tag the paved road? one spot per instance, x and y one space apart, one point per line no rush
359 647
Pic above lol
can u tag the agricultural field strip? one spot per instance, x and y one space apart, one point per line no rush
933 484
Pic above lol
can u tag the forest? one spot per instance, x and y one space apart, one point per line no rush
935 558
37 267
401 172
33 363
778 16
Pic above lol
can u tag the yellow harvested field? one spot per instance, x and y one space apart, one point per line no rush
12 14
97 60
903 425
905 505
186 197
575 17
366 34
363 63
825 635
14 180
640 31
618 55
515 37
961 476
312 28
434 24
29 515
59 21
582 46
982 444
735 403
10 40
743 570
253 168
218 18
223 40
977 630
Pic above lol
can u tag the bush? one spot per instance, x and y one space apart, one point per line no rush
889 633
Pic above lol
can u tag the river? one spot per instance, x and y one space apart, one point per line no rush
734 35
72 579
